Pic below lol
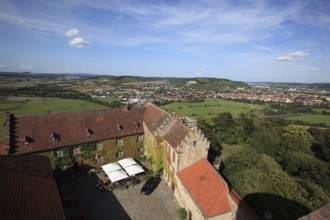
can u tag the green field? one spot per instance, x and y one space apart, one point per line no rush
42 106
210 108
315 119
109 100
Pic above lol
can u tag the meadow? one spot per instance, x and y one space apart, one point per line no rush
311 118
210 108
109 100
19 107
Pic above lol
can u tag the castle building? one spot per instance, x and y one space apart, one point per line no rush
177 148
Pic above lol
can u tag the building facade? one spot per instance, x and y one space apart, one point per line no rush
175 146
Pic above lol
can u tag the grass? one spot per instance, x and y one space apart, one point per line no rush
270 162
42 106
109 100
228 150
210 108
316 119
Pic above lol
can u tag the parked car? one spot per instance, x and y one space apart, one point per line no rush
150 185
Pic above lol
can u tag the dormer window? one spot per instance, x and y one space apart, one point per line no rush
119 127
55 137
88 132
27 140
137 124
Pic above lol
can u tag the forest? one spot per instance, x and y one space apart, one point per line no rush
279 168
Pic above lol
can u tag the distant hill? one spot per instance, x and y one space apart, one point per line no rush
82 81
325 86
199 83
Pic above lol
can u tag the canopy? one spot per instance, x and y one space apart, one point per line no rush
134 169
110 167
117 175
126 162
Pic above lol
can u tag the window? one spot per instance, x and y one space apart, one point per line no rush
119 154
140 137
173 156
194 143
59 153
98 146
119 141
55 137
76 150
167 149
119 127
88 132
98 158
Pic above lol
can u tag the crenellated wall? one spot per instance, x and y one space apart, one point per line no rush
194 147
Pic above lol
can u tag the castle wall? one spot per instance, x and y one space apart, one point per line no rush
194 147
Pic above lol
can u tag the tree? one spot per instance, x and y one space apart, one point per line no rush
208 131
248 126
223 122
293 139
242 160
265 139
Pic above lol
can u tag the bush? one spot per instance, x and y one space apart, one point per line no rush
183 213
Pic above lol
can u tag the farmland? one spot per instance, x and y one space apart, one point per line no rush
210 108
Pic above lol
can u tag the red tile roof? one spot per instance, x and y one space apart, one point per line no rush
155 116
28 189
50 131
206 187
176 134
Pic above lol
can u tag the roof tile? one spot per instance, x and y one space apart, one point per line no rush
206 187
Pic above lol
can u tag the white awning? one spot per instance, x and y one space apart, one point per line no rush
117 175
110 167
126 162
134 169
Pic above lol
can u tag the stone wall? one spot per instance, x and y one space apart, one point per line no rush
194 147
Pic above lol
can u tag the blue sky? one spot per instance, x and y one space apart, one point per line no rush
274 40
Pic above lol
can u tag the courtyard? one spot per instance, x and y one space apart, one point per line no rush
122 203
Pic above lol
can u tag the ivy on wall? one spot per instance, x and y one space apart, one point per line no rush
108 151
156 152
170 174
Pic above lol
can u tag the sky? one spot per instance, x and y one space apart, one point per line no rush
250 40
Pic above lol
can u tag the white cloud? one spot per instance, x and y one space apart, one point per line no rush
72 32
284 58
299 53
78 42
312 69
291 56
24 66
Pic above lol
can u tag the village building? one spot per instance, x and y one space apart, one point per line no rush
177 148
